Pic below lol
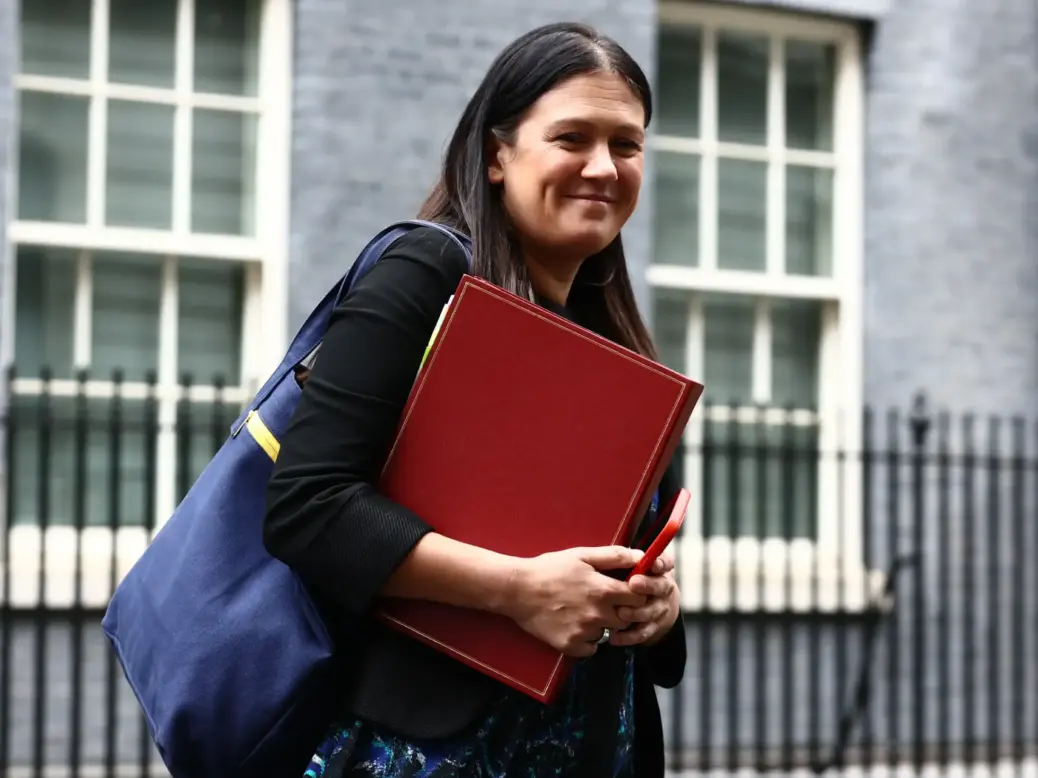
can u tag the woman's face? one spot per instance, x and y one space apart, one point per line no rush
572 176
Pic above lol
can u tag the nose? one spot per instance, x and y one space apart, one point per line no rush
600 166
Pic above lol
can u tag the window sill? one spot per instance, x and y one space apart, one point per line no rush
775 578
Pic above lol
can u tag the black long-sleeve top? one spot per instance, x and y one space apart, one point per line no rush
328 521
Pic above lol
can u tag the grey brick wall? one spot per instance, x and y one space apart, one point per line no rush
951 308
379 87
952 190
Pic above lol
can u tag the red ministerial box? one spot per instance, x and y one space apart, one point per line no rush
525 433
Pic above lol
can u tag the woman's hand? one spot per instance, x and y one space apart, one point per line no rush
563 599
651 621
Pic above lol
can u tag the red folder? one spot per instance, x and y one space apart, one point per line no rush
525 433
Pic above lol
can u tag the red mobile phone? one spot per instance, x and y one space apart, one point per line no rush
674 515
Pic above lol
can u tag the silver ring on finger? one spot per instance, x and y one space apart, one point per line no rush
606 634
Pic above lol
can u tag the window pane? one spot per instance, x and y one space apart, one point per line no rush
209 321
56 38
680 49
742 200
86 460
676 209
227 46
52 158
728 349
760 480
669 327
810 79
142 47
127 294
44 312
796 327
809 221
223 195
140 165
742 88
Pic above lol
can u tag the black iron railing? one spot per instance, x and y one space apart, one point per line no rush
859 591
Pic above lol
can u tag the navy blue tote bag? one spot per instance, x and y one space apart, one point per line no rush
223 647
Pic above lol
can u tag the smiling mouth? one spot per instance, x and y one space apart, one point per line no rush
593 198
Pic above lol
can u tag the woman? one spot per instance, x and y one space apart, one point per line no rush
543 170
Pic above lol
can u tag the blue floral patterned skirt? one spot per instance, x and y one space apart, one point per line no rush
517 737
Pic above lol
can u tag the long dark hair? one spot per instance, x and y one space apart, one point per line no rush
465 199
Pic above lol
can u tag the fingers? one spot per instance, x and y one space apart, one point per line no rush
615 619
654 610
610 557
593 634
585 643
619 594
635 635
664 563
652 586
606 618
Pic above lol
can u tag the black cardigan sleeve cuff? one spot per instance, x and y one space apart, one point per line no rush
666 660
366 545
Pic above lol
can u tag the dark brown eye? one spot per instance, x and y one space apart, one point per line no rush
627 146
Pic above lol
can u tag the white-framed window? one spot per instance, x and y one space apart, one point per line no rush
757 290
148 273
